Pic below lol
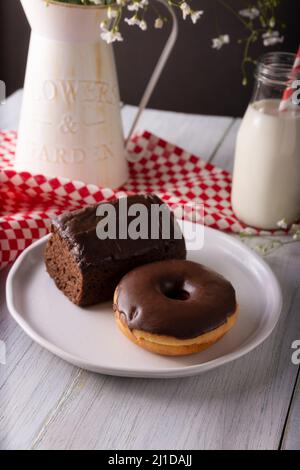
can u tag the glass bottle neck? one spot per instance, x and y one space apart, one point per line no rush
274 73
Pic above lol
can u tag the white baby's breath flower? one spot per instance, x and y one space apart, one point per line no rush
195 15
139 8
132 21
295 231
270 38
220 41
133 6
103 25
111 36
250 13
249 231
282 224
295 227
186 10
136 5
143 25
268 247
296 236
112 13
158 24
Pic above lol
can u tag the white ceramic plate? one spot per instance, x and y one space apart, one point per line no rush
90 339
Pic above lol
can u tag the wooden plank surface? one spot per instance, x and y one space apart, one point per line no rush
240 406
10 111
200 135
26 410
31 383
291 436
46 403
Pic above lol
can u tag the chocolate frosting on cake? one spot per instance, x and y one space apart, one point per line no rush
88 268
78 229
175 298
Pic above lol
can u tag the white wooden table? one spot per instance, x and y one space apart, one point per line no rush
252 403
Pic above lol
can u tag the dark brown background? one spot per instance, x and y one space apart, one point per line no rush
197 79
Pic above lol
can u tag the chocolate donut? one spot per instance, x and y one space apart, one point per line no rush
174 307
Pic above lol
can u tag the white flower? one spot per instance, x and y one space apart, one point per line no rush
249 231
143 25
282 224
133 6
96 2
195 15
112 13
136 5
111 36
158 23
295 231
220 41
186 10
270 38
296 236
250 13
295 227
132 21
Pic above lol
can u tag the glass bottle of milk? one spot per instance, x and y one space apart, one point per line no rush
266 177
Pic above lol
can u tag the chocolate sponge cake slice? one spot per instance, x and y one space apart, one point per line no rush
87 268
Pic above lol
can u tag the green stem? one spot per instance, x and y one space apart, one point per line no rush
225 5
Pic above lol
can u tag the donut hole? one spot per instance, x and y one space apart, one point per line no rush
174 290
177 294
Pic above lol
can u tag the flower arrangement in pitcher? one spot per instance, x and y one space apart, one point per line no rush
258 19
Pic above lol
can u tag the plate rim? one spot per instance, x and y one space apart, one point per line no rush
182 371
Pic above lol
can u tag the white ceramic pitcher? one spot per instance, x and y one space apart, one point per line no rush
70 120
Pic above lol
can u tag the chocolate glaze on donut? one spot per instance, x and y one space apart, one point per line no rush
175 298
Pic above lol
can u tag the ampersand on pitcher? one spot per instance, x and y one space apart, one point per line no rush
68 125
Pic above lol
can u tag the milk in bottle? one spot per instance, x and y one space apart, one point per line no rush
266 177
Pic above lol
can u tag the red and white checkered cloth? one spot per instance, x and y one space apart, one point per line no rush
28 202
